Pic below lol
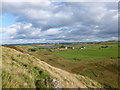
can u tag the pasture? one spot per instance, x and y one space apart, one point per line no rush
95 61
90 53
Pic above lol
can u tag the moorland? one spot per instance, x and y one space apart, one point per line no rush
96 60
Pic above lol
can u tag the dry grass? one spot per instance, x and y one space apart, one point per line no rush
21 71
104 70
18 70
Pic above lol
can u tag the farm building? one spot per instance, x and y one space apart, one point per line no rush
82 47
69 48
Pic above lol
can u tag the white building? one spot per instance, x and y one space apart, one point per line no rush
66 47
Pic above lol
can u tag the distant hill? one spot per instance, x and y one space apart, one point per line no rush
110 41
21 70
26 44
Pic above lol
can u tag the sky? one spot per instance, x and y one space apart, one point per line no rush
53 22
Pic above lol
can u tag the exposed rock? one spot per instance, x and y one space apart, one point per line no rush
54 83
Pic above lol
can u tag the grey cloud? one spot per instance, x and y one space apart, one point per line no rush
84 20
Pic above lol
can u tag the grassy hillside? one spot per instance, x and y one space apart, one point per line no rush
100 64
95 62
21 70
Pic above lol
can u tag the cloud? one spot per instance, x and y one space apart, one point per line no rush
27 31
46 21
61 0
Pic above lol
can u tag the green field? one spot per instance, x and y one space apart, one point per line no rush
90 53
99 64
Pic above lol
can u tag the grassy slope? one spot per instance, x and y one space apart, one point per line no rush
25 71
91 62
21 71
98 64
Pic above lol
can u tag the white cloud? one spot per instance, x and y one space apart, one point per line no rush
94 20
51 32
